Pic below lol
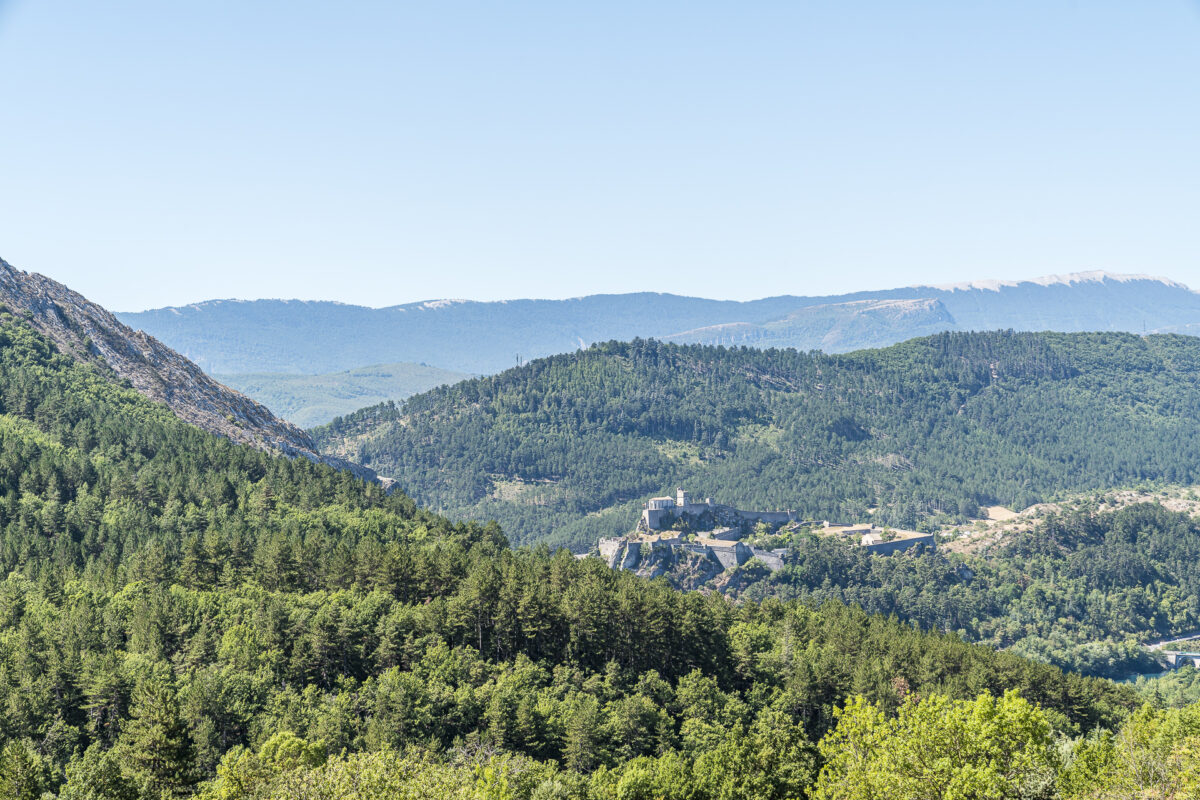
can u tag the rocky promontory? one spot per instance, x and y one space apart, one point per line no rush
88 332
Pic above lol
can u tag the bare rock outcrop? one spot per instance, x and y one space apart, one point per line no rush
87 332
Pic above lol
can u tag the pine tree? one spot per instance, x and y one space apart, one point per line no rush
23 773
156 742
97 776
196 570
582 747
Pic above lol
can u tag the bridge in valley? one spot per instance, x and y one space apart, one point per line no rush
1176 658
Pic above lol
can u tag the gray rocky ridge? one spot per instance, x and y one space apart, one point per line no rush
87 332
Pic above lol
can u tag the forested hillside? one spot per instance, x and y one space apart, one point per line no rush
565 449
1082 589
180 614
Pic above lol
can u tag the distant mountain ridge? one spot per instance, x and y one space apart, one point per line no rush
1066 279
308 337
316 337
87 332
834 328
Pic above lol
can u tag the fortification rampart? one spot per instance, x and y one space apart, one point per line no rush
723 527
896 545
663 512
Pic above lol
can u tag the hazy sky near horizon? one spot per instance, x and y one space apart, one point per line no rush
383 152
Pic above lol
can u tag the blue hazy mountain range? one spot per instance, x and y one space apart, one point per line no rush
231 337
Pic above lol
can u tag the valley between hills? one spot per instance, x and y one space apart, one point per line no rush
200 599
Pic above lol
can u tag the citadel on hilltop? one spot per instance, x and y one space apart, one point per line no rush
671 527
662 512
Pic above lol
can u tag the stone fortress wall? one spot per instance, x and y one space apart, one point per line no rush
662 512
722 544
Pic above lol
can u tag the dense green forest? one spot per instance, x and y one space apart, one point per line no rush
1081 589
182 615
564 449
1175 689
928 748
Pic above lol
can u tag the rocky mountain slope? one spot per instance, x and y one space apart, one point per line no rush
87 332
230 336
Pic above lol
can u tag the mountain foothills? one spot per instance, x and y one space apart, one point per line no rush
565 449
230 337
310 400
182 615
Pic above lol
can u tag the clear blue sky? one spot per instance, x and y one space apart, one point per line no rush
156 153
